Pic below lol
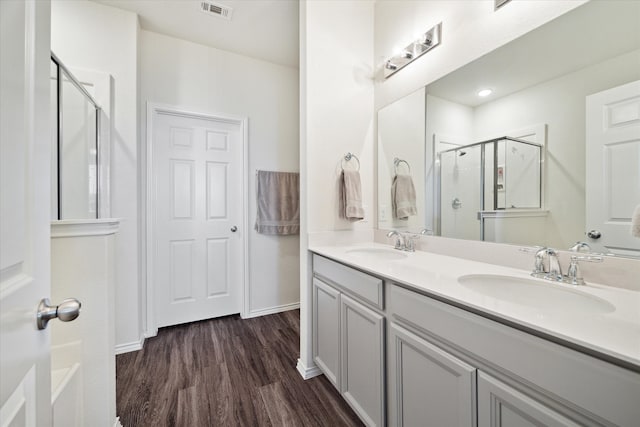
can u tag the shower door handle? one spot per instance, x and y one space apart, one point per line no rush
67 311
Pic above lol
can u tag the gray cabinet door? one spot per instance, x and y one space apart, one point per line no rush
499 405
428 386
363 361
326 330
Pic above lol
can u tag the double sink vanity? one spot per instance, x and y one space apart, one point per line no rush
422 339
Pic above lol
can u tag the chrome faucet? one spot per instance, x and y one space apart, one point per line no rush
555 270
547 265
404 241
399 240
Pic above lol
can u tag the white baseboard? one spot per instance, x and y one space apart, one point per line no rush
117 423
131 346
307 373
272 310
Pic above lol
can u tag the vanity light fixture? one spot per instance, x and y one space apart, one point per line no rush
485 92
413 51
499 3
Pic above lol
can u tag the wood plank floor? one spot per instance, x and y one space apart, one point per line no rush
225 372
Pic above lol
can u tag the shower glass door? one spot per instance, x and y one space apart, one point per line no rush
460 192
74 148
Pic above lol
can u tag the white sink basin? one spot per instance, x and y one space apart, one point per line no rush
378 253
546 296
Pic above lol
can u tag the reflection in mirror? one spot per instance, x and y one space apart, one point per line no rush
489 189
542 84
401 136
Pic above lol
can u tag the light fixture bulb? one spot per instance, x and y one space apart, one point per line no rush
485 92
391 66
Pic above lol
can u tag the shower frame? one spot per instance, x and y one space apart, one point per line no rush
483 144
61 68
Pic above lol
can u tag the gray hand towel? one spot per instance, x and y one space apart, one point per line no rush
403 197
278 200
351 196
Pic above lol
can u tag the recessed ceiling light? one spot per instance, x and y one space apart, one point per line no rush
485 92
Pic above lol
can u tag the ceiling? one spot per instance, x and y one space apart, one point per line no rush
262 29
586 35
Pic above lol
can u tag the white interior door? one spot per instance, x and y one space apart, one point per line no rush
197 179
25 376
613 168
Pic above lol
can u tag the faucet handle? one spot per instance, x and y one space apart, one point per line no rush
538 267
574 275
410 240
580 247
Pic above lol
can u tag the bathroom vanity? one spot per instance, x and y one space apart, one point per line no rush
420 339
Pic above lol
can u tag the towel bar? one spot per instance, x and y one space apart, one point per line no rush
348 158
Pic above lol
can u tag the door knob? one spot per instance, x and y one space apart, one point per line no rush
234 229
594 234
68 310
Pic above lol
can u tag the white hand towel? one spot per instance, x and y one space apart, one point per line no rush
351 196
635 223
403 197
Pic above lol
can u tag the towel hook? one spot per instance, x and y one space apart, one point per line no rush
348 158
396 163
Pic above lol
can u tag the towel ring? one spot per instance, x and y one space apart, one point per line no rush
348 158
396 163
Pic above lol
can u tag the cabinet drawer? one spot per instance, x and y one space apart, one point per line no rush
367 288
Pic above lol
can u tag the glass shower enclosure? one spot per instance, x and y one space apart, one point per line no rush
481 185
75 147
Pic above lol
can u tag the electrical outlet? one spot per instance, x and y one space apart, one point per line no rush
382 213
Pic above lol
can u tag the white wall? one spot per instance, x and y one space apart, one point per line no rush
339 106
336 92
200 78
470 29
89 35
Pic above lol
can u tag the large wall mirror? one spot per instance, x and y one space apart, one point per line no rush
550 154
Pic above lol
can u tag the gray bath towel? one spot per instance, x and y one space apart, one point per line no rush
403 197
278 200
351 196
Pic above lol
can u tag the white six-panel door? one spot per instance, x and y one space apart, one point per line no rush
613 167
25 377
197 208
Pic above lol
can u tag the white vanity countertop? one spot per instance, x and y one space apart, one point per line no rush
614 335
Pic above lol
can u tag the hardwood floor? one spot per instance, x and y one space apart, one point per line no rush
225 372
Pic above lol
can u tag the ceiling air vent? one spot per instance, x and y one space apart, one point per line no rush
216 9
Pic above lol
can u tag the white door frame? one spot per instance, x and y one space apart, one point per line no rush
153 108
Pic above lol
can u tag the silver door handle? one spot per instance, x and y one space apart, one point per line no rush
234 229
68 310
